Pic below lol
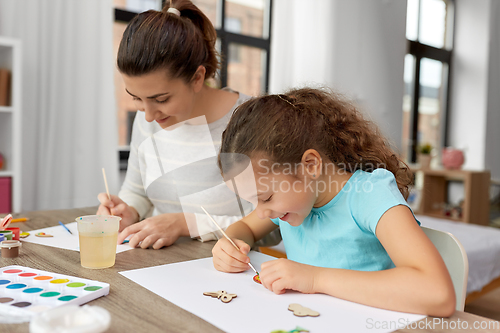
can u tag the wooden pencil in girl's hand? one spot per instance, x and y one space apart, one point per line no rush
229 239
106 184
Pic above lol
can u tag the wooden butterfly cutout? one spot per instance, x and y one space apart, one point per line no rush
222 295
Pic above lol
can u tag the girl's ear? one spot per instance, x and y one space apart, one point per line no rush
198 78
312 162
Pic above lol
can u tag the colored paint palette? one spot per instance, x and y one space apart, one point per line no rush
31 291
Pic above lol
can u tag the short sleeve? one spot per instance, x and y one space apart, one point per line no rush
372 195
276 221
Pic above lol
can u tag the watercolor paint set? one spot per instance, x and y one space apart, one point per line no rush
28 291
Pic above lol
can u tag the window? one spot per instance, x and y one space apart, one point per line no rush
243 29
429 32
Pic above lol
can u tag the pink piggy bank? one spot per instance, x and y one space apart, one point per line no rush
452 158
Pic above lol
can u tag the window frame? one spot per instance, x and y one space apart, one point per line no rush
226 38
419 51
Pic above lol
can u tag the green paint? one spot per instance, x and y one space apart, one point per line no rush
67 298
50 294
75 284
92 288
7 234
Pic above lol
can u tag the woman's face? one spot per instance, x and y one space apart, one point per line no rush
164 100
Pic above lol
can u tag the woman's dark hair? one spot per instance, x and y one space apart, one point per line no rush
283 127
163 40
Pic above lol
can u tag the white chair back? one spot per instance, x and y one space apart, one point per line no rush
455 259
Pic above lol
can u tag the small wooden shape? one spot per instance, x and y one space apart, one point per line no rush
222 295
43 234
301 311
24 234
256 278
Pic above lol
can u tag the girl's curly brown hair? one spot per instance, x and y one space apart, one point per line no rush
283 127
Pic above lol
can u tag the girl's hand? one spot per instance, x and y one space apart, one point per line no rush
282 274
228 259
157 231
117 207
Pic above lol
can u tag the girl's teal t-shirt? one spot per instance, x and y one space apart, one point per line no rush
341 234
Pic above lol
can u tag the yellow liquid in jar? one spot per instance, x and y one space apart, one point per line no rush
98 250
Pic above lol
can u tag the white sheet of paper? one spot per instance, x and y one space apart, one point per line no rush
256 309
63 239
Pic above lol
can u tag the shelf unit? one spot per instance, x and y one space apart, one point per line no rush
476 204
10 120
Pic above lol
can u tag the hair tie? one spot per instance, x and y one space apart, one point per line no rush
174 11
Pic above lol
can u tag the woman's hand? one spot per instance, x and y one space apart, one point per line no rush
228 259
282 274
117 207
157 231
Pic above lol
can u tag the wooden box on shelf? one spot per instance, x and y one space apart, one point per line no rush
4 87
476 200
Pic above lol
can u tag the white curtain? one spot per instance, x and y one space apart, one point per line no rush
69 114
354 46
492 153
302 44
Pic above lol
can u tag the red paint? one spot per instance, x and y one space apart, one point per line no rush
15 232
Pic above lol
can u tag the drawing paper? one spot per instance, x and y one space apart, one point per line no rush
63 239
256 309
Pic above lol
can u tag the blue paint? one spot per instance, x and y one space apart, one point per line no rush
2 282
32 290
16 286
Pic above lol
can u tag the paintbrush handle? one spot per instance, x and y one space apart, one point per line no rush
107 189
251 266
222 231
106 183
225 235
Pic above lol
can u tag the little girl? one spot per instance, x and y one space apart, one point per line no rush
330 181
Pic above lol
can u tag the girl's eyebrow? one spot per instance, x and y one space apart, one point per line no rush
150 97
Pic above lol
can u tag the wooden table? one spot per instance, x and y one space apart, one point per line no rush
140 310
